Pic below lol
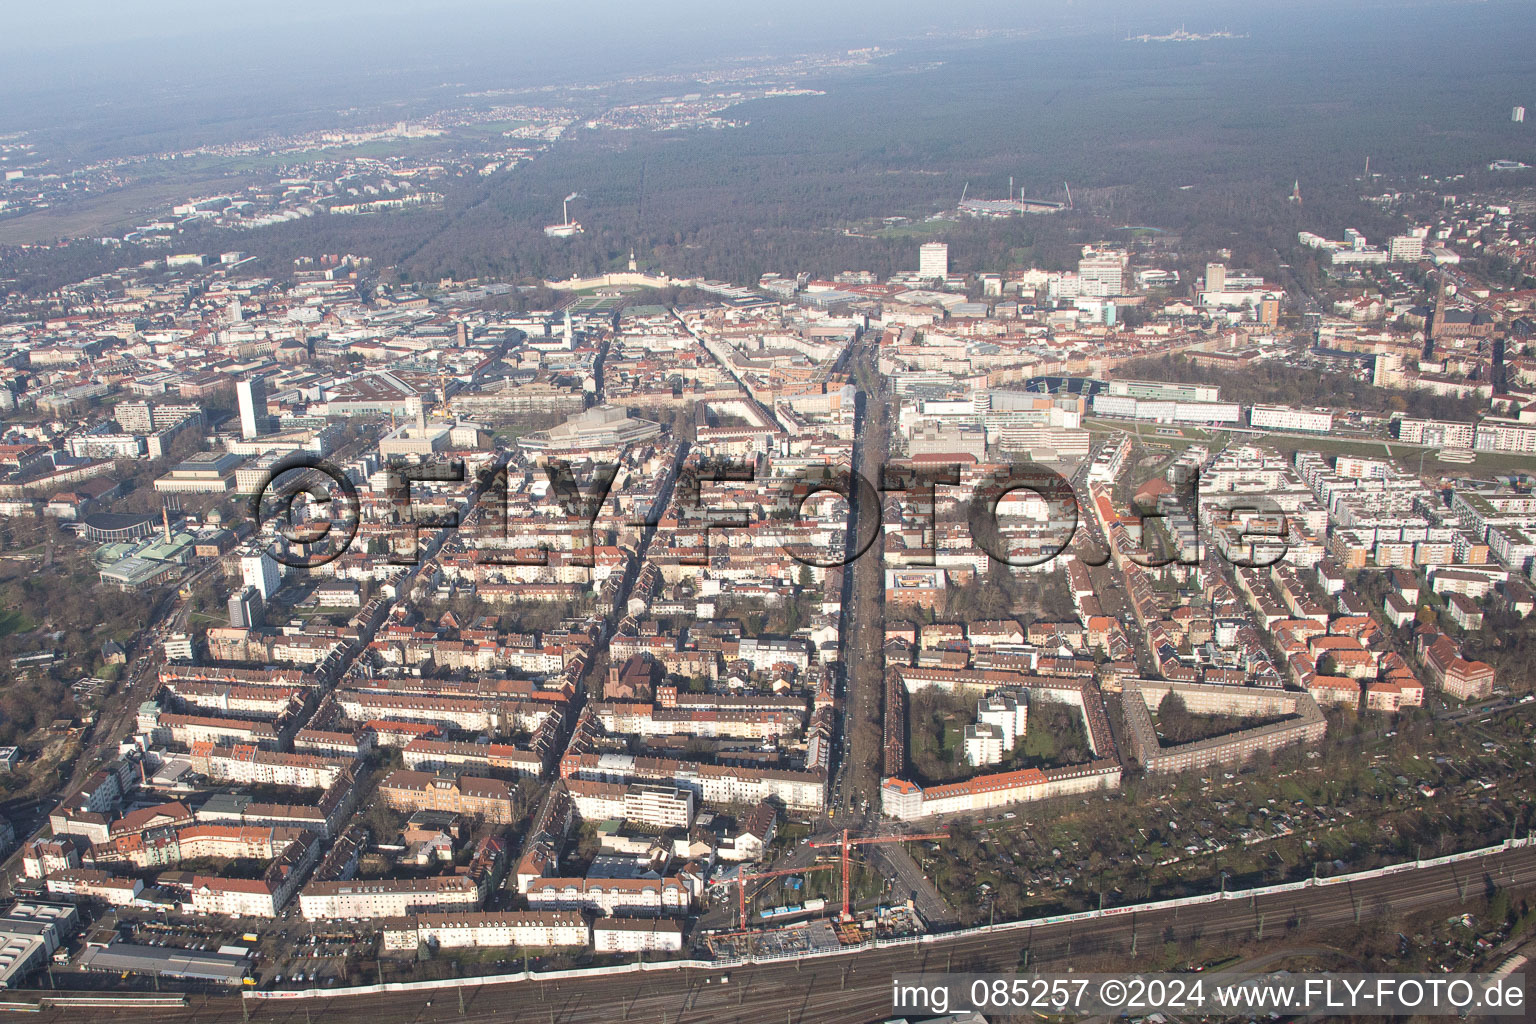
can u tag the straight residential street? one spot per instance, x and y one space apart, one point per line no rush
858 788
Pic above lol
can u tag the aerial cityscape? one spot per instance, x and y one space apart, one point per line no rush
625 514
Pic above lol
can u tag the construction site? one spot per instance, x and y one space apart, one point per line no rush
809 924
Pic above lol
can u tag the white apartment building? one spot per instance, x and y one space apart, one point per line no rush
1101 273
596 801
235 897
1514 546
983 744
470 929
1479 510
106 446
1152 410
1215 277
1406 248
1009 714
178 647
1108 460
1500 435
262 572
1388 369
763 654
906 801
624 935
90 883
249 765
1284 417
1353 467
933 260
652 896
714 784
663 807
1435 433
389 897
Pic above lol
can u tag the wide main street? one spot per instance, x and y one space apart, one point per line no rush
858 779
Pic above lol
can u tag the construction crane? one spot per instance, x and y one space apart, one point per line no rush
740 881
846 842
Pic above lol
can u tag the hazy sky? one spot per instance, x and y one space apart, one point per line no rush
83 47
195 31
77 24
86 57
74 62
86 24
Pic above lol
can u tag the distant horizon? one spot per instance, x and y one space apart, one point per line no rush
485 485
60 61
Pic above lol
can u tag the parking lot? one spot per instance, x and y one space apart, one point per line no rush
295 955
315 955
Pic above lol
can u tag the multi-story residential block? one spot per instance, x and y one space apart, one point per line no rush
390 897
623 935
663 807
93 884
1435 433
476 929
629 897
1500 435
490 799
1281 417
933 261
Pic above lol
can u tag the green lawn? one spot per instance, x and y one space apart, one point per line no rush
913 229
1408 456
953 741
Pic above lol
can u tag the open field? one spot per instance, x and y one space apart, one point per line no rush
105 214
